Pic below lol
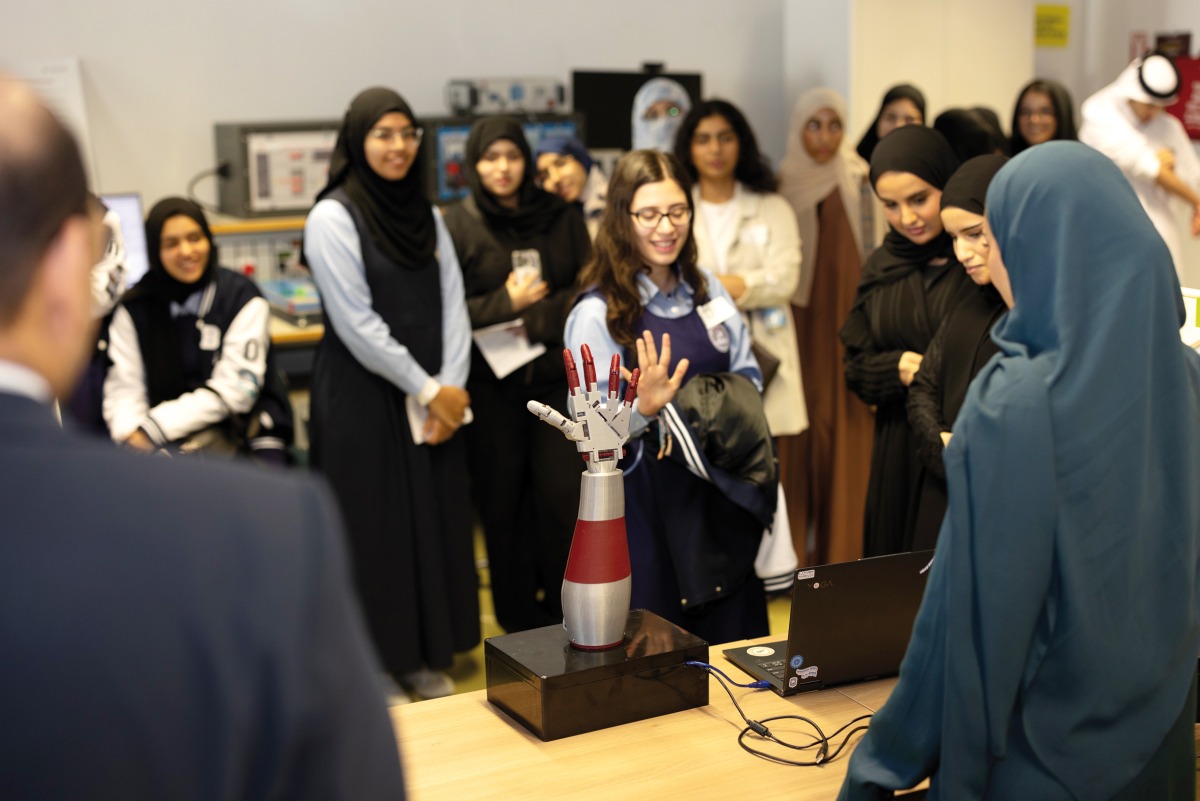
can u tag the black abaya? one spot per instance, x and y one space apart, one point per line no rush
888 319
962 345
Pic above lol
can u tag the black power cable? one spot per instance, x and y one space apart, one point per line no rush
758 728
223 170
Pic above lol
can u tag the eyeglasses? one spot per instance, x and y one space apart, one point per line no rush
408 136
1030 113
652 218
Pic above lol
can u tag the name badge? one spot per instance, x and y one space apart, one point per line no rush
716 311
754 234
210 337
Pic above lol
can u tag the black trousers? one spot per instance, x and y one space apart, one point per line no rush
525 485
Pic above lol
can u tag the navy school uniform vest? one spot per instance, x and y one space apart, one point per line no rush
706 349
409 300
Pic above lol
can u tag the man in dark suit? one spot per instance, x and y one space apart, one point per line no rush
168 629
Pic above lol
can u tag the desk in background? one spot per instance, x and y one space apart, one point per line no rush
294 347
462 747
265 249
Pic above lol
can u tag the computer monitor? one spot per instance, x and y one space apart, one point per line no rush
128 206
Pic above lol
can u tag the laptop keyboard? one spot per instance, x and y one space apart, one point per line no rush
775 668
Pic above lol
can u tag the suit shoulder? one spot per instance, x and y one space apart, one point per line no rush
202 492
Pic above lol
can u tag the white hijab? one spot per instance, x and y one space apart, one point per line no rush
805 183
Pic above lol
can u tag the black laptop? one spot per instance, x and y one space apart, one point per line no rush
850 622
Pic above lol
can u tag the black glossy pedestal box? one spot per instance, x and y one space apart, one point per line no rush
557 691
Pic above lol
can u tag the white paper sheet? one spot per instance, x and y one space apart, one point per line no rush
417 415
506 348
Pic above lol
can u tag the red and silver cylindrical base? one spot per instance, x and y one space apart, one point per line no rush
596 587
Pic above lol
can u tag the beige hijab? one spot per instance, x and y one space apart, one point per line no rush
805 183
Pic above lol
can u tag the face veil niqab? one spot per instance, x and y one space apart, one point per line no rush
926 154
1059 626
398 213
536 208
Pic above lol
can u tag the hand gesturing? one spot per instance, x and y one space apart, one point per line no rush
658 384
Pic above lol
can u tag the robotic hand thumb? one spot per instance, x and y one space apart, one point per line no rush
570 429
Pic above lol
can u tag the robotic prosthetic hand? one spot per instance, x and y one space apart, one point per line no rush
601 424
596 587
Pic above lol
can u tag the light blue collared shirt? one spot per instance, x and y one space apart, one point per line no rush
332 248
588 324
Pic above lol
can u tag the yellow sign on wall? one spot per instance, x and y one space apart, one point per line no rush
1052 26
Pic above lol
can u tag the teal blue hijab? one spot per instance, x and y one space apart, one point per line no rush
1058 638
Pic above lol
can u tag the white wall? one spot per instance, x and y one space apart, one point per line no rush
958 52
157 76
1098 47
818 48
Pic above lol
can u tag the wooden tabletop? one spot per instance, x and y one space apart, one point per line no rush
462 747
286 333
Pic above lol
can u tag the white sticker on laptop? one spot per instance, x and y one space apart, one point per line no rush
760 650
808 673
804 575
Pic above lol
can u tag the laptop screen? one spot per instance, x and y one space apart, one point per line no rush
850 621
128 206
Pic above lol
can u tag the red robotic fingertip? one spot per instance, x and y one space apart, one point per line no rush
572 373
631 390
589 367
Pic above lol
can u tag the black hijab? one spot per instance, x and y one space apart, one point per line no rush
970 132
866 145
1064 112
157 283
398 213
965 353
536 208
150 300
926 154
967 188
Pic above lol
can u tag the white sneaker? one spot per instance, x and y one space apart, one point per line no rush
429 683
396 696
